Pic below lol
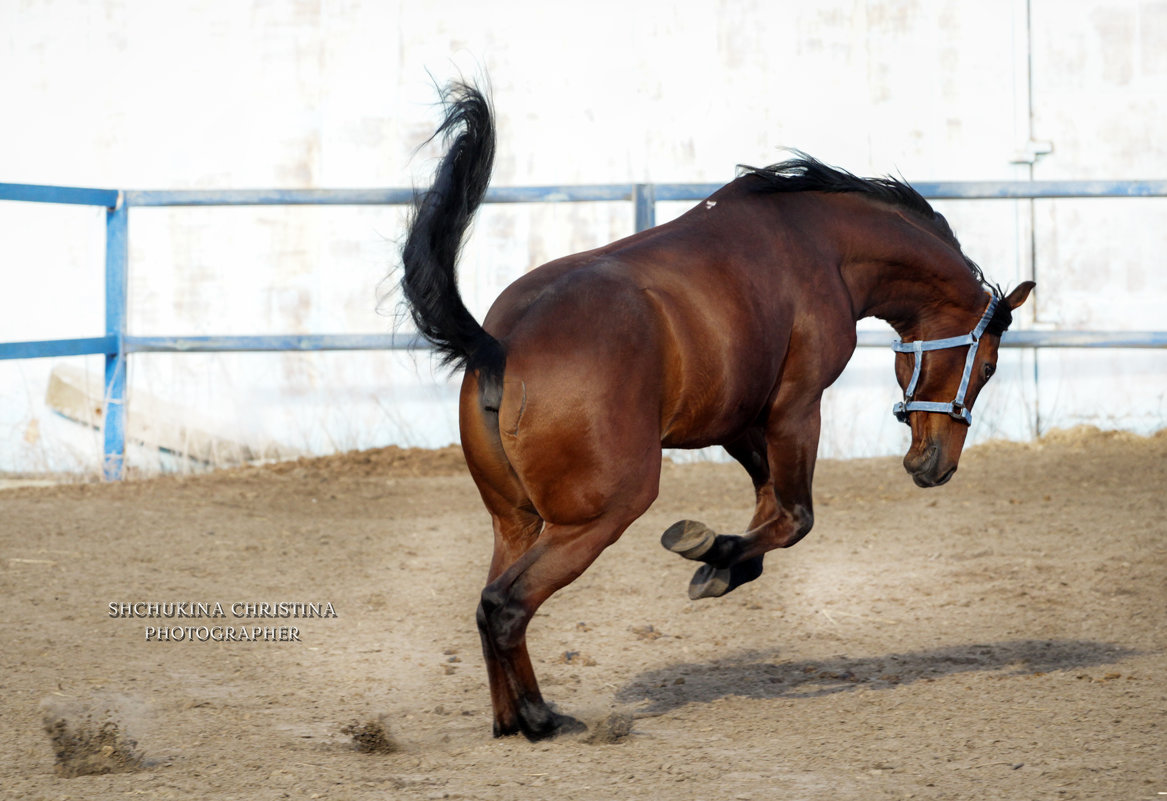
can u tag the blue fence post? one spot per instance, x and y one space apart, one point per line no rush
116 271
644 206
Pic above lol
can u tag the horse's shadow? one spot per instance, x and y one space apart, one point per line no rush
762 674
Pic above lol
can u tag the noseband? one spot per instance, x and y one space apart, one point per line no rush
956 408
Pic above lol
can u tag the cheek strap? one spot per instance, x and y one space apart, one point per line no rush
956 407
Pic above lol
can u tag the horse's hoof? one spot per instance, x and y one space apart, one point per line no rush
689 538
710 582
555 726
566 724
713 582
505 731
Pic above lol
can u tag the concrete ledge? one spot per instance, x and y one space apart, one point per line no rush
78 395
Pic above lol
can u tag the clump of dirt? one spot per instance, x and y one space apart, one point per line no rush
648 632
372 736
613 728
91 744
575 658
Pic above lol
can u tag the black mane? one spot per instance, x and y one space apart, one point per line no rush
804 173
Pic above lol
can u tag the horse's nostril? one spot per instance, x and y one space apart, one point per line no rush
921 462
925 468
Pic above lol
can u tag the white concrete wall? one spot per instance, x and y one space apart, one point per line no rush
335 93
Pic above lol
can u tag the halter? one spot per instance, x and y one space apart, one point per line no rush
956 408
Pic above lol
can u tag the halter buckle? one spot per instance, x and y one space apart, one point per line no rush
900 410
960 412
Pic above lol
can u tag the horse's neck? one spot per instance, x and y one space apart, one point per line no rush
899 272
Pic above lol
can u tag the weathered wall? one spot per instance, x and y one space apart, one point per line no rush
335 93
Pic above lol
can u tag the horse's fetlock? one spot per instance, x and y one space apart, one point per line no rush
726 550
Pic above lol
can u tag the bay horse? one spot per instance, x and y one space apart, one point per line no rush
722 327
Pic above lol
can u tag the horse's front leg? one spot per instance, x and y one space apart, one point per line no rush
781 465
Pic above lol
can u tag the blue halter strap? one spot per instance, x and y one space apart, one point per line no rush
956 408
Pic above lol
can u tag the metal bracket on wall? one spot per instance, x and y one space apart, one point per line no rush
1031 151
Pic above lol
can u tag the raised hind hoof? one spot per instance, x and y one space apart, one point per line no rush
713 582
689 538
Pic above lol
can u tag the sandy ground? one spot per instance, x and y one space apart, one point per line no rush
1000 637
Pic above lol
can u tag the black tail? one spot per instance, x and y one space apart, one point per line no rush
439 221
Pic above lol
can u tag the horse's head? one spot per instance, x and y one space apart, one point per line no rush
941 379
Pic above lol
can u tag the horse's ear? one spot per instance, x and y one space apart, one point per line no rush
1018 295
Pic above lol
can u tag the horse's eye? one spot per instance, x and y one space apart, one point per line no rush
989 370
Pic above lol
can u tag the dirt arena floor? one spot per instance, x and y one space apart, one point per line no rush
1002 637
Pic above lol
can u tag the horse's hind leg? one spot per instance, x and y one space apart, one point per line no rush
560 554
587 492
515 530
532 558
516 527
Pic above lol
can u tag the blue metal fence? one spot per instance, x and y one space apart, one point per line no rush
117 344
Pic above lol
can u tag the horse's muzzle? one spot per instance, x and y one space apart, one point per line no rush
926 468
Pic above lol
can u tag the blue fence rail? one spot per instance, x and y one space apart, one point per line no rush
117 344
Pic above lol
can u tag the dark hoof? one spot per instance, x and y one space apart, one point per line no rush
505 731
566 724
554 726
713 582
709 582
689 538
